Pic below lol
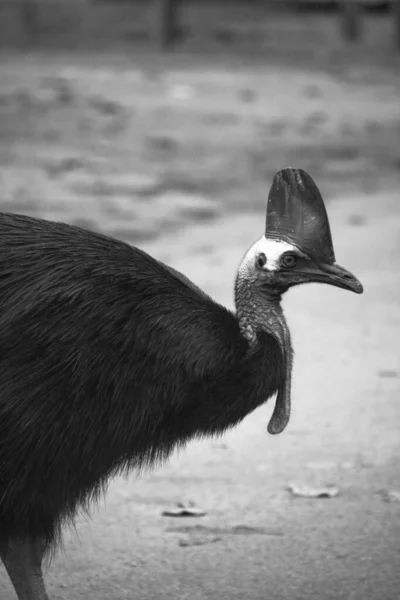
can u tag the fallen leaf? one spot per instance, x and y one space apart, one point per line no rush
306 491
184 510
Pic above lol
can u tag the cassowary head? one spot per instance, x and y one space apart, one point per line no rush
295 249
297 245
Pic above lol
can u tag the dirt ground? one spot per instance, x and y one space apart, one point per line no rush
176 156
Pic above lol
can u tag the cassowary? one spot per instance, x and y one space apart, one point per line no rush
109 359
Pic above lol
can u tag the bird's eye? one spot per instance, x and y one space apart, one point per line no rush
288 260
261 260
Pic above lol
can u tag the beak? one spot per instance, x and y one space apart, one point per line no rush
333 275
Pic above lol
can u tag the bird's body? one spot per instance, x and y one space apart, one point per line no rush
109 359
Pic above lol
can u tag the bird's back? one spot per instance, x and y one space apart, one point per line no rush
86 320
62 273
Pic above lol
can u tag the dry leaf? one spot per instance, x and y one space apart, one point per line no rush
306 491
184 510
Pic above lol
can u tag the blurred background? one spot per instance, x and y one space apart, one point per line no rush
162 123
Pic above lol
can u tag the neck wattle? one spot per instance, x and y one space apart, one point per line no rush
259 309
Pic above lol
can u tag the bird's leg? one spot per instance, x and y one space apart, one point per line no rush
22 559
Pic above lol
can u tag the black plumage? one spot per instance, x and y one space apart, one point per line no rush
108 359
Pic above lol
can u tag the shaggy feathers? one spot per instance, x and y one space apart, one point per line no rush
108 361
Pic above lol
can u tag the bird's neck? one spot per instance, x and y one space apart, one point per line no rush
258 310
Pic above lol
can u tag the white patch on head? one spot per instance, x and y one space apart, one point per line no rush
273 250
